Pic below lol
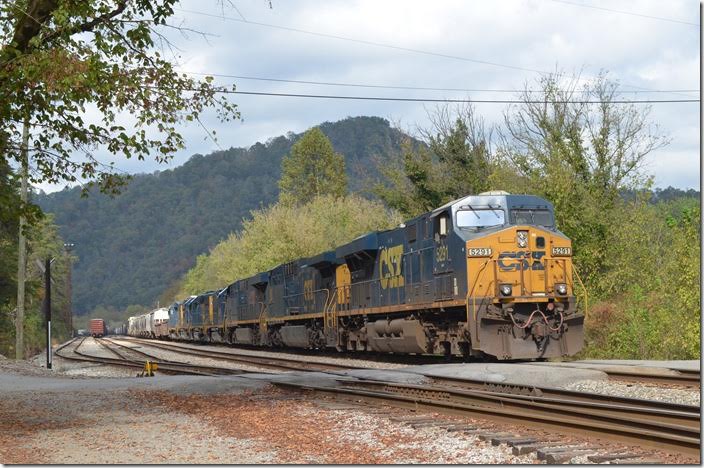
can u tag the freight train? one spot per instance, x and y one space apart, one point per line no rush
487 276
153 324
97 327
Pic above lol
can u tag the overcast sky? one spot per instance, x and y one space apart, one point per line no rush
519 38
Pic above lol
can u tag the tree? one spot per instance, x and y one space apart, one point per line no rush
312 169
43 241
456 161
61 58
580 156
9 216
284 232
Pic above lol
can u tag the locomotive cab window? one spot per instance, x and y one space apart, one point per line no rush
479 218
442 226
532 216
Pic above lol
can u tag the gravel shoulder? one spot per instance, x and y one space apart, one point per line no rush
366 363
187 419
74 414
644 392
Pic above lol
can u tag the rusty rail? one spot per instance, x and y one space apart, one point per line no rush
673 430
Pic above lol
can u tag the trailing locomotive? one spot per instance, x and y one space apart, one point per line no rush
484 275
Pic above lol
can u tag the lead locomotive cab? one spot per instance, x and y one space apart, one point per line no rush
521 300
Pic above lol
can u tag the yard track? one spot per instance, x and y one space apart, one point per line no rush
668 427
683 378
674 428
121 359
267 362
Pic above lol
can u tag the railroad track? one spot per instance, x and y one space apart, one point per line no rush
174 367
668 427
276 363
683 378
642 374
123 360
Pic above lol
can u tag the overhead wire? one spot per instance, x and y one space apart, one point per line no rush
379 44
630 13
420 88
450 100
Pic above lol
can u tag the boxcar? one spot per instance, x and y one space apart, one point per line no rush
97 328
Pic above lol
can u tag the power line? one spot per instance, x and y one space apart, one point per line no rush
420 88
377 44
362 41
660 18
483 101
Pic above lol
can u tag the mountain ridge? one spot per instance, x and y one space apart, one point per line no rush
133 246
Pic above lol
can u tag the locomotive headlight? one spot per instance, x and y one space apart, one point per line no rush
522 239
561 289
506 289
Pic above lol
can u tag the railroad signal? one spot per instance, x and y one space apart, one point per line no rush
47 308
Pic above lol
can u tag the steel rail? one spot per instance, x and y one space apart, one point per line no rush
639 373
530 390
151 357
172 367
281 363
168 364
592 422
684 378
639 412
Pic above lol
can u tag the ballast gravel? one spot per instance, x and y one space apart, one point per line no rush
144 426
316 359
176 356
300 431
644 392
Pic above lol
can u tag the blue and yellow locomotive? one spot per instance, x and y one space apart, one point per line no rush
485 275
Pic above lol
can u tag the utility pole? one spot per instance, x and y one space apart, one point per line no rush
69 287
22 254
47 308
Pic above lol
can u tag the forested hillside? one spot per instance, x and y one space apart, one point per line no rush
132 247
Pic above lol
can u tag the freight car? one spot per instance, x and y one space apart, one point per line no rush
118 330
97 327
153 324
487 275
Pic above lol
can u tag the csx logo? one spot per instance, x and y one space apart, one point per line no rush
390 275
521 260
308 290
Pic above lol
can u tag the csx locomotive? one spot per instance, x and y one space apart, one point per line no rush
487 275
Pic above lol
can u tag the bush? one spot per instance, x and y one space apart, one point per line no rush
648 297
284 232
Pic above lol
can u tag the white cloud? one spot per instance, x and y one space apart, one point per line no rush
530 34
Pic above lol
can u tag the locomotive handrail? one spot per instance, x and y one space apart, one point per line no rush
305 293
584 289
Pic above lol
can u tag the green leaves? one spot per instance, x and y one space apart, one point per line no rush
99 54
312 169
285 232
456 162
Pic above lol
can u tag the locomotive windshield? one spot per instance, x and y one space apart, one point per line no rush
534 217
477 218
